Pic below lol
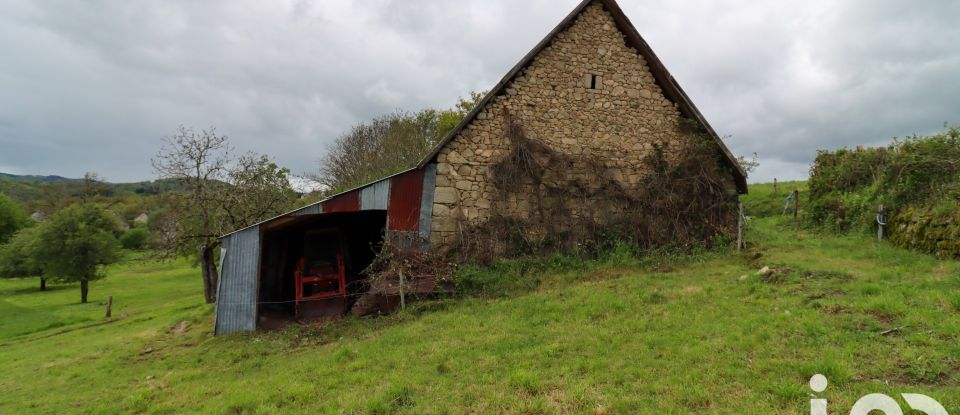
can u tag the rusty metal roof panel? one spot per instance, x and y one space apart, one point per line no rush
322 202
404 212
314 209
346 202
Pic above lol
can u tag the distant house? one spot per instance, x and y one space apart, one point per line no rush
593 105
141 219
38 216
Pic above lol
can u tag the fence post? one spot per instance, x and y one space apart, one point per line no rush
881 220
796 205
739 225
109 306
403 300
775 189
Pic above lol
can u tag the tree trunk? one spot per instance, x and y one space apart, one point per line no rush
210 275
43 284
84 288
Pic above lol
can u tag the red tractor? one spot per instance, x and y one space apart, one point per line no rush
321 277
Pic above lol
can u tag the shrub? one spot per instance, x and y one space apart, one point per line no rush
12 218
135 238
916 179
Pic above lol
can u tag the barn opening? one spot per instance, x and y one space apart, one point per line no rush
313 266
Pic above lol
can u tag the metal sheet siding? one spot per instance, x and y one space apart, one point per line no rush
404 211
426 201
237 293
375 196
309 210
347 202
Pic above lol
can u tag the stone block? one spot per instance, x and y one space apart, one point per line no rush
446 195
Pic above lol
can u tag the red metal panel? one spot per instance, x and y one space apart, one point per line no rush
403 212
347 202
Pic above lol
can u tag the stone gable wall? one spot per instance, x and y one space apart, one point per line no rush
615 125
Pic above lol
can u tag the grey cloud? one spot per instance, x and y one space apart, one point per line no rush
95 86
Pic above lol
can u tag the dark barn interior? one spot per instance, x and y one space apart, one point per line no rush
325 255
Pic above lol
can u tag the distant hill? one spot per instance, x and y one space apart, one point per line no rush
34 178
26 189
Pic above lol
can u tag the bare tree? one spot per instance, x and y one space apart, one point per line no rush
387 144
223 194
748 164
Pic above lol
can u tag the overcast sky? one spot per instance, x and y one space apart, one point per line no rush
93 86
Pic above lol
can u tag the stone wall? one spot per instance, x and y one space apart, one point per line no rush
614 127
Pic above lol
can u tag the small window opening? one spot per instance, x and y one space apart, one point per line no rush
593 81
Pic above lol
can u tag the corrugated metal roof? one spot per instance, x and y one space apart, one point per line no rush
236 308
316 207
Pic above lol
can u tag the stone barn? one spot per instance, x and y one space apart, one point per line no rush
569 142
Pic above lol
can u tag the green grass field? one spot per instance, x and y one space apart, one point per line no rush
695 334
766 201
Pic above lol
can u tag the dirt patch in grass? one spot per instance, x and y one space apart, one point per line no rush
691 290
606 274
180 327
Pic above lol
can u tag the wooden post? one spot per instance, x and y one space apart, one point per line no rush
739 226
775 191
403 300
109 306
796 205
880 222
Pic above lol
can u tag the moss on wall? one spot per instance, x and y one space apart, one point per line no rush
934 230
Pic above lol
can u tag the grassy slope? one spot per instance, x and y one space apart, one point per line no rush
765 201
628 337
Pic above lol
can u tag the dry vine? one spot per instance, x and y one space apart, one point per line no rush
422 274
681 204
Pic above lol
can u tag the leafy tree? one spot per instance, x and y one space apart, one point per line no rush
93 187
75 244
19 259
12 218
387 144
447 120
135 238
223 194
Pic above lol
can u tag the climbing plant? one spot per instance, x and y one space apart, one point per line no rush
547 201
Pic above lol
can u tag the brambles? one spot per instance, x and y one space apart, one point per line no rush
917 180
